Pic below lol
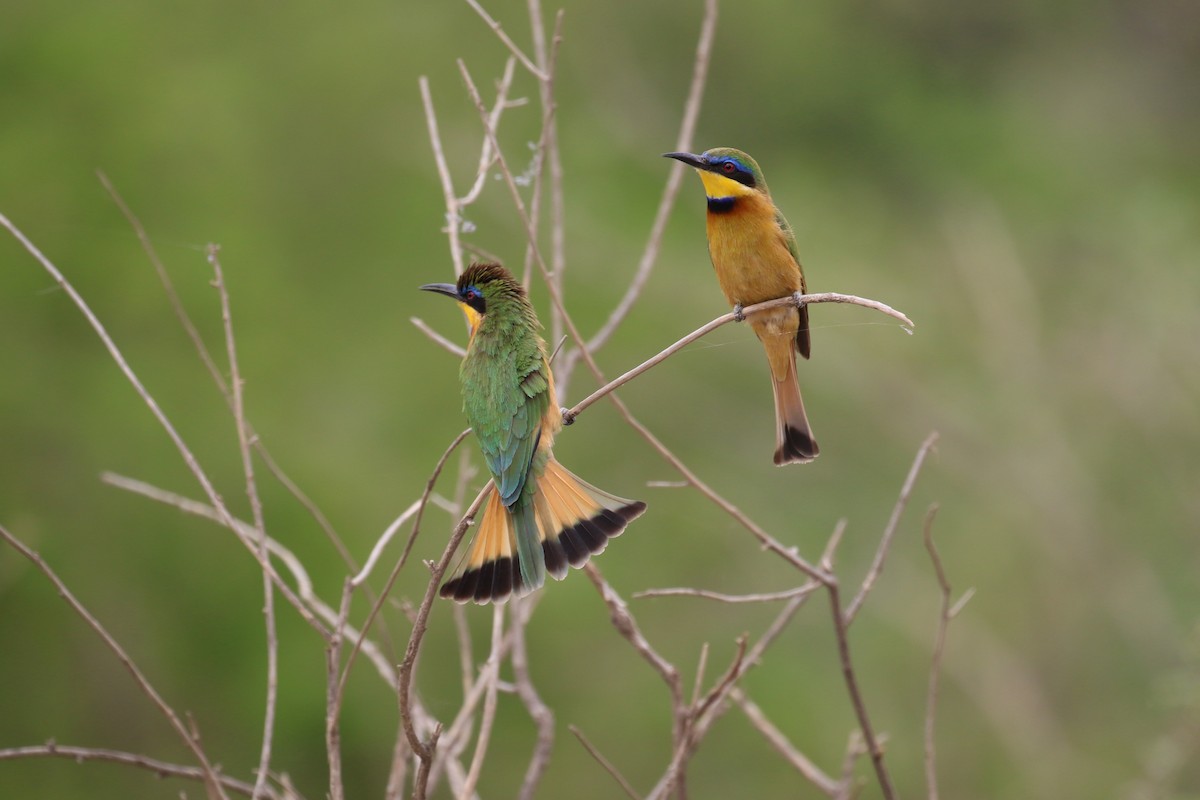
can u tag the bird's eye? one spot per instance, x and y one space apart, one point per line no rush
729 167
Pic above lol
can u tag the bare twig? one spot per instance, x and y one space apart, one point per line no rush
625 624
244 439
509 43
211 780
890 530
487 156
811 772
185 452
168 286
383 541
214 372
873 743
831 546
333 736
768 597
539 712
443 169
161 769
304 585
425 750
687 127
377 606
754 657
855 749
604 762
548 154
948 612
491 671
724 319
437 338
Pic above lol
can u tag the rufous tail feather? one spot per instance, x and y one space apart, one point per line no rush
574 521
794 442
490 569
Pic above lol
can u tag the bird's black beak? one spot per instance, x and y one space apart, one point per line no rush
448 289
691 159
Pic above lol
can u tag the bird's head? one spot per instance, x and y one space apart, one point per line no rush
479 286
725 172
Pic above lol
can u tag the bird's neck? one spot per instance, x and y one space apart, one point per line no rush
505 327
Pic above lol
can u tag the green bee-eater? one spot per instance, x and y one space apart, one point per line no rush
539 517
753 251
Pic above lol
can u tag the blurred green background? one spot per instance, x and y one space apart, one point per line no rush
1022 179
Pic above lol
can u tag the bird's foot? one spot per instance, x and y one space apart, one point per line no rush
568 416
798 299
738 314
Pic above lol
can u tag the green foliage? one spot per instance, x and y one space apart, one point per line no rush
1021 179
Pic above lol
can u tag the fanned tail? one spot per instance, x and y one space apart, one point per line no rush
573 519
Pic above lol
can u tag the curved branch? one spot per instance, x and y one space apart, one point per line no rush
704 330
161 769
208 772
687 129
424 750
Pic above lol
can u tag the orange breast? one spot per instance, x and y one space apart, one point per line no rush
749 253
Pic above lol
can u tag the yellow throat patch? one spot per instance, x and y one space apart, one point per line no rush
718 186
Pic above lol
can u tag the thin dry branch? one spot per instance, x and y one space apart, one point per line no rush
304 584
855 749
437 338
873 743
377 606
604 762
539 712
491 680
211 779
948 612
766 597
486 155
161 769
811 772
724 319
168 286
702 716
890 530
383 541
548 154
184 451
509 43
256 510
333 733
687 128
625 624
215 373
425 750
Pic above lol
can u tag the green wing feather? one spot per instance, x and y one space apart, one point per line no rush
505 395
803 340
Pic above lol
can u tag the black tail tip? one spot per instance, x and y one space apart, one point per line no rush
799 447
496 581
491 582
576 543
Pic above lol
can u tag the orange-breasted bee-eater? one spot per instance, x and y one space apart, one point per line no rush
539 517
753 251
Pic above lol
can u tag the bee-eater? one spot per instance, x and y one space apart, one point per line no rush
539 517
753 251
